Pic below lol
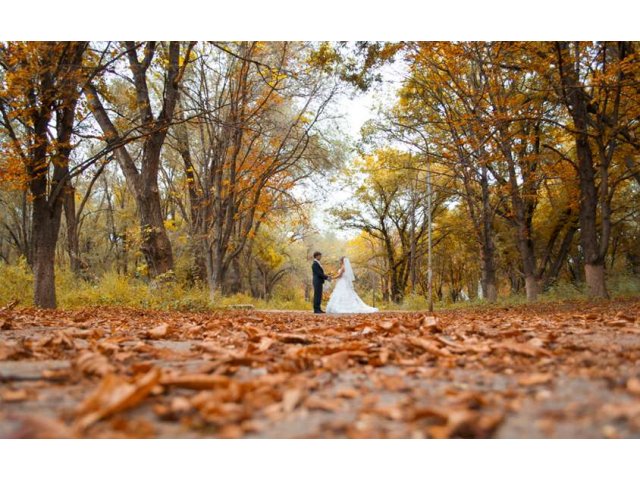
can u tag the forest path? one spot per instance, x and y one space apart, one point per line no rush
547 370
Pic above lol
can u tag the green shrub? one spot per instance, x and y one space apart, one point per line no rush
176 293
415 302
624 286
16 283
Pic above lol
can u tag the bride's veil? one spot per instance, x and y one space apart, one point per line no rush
348 271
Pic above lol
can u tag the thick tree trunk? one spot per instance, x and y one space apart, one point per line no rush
577 102
155 243
595 278
488 271
489 284
46 226
594 262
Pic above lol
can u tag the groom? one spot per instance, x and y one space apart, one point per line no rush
319 277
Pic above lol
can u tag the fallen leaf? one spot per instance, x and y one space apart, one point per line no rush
180 405
347 393
265 344
291 399
195 381
326 404
11 350
535 379
91 363
626 316
633 385
294 338
14 395
115 394
40 426
428 346
158 332
336 361
521 348
389 324
392 383
431 323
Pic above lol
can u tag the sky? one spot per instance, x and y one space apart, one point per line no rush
355 111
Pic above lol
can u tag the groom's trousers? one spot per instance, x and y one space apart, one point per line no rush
317 296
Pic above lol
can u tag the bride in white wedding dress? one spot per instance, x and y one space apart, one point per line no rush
344 298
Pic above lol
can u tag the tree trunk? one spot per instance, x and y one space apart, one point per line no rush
489 285
529 265
155 243
143 182
489 288
595 278
46 225
577 102
73 242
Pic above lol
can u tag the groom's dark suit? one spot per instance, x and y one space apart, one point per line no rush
319 278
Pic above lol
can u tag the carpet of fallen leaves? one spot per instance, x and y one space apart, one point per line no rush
552 370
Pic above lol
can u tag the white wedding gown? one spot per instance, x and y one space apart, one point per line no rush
344 298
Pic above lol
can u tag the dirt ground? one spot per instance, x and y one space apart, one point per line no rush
562 370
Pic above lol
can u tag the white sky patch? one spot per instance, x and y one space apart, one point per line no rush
355 112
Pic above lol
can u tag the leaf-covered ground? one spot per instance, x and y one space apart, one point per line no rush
552 370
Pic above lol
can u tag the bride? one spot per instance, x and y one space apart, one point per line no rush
344 298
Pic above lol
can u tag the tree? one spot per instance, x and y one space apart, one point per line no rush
251 144
42 82
391 207
592 85
142 179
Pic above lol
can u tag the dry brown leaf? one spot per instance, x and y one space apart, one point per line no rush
336 361
392 383
392 412
108 347
621 410
326 404
633 385
454 346
215 348
158 332
621 322
626 316
291 399
180 405
40 426
91 363
347 393
265 344
15 395
9 306
428 346
56 375
115 394
195 381
230 431
11 350
521 348
294 338
535 379
389 325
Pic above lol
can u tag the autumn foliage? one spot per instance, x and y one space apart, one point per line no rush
555 370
